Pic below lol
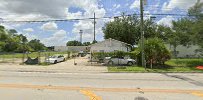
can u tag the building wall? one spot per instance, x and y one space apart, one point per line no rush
60 48
70 48
109 46
184 51
77 48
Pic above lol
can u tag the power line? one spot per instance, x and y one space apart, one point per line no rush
83 19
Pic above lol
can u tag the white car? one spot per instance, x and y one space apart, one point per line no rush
55 59
119 61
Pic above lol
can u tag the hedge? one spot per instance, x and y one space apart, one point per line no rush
102 55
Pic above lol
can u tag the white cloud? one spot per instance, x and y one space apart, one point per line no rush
60 34
50 26
87 25
116 6
57 39
29 36
40 9
167 21
181 4
55 9
11 25
70 15
28 30
135 4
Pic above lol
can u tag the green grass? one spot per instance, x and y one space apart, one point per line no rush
174 65
184 62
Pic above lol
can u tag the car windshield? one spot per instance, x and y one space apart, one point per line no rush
53 57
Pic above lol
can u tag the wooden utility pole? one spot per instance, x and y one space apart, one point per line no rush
142 33
94 27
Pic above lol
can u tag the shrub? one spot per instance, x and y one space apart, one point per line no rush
155 52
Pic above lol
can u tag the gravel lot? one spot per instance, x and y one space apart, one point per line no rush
68 66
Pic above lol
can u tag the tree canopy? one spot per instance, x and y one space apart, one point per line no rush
73 43
36 45
124 29
77 43
10 41
127 29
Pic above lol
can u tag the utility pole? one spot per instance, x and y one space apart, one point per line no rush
81 35
94 27
142 33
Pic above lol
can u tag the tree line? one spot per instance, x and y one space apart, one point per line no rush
77 43
10 41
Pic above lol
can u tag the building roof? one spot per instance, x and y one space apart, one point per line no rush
113 40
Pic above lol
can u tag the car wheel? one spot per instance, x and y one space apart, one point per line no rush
110 63
64 59
55 61
130 63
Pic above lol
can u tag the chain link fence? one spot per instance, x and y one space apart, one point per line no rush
21 58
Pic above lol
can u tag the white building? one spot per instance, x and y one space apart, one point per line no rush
71 48
184 51
110 45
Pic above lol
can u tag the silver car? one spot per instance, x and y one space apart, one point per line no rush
119 61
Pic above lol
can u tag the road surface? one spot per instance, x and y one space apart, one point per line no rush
100 86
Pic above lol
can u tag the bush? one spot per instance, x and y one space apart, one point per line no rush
155 52
102 55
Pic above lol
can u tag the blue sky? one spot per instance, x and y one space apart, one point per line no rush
58 33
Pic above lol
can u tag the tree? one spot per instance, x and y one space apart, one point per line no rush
3 37
196 10
198 36
86 43
12 32
36 45
181 33
10 41
127 29
74 43
156 52
94 42
197 16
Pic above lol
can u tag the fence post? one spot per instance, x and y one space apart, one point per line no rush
13 57
3 58
23 58
39 57
48 56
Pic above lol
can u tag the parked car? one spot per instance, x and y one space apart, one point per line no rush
55 59
119 61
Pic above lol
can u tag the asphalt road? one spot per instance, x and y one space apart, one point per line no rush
100 86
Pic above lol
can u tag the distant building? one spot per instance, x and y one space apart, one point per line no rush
185 52
71 48
110 45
